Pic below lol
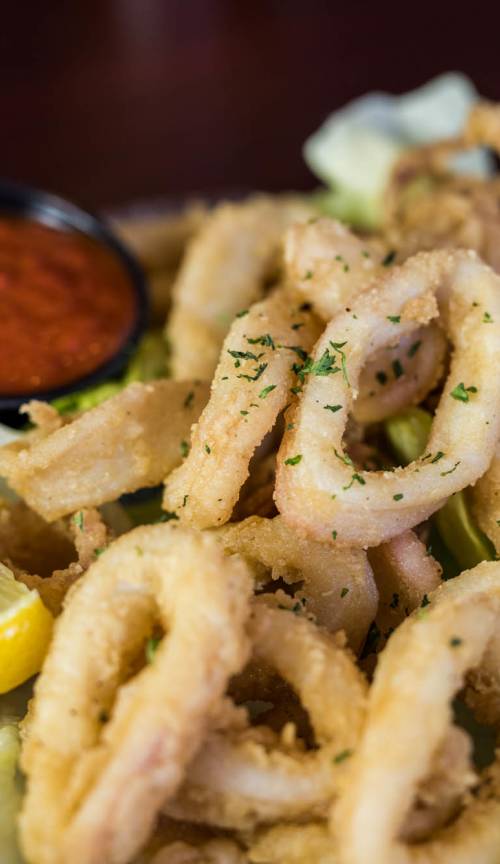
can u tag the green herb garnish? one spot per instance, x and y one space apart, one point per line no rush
461 392
265 392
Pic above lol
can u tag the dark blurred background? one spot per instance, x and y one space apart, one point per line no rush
111 100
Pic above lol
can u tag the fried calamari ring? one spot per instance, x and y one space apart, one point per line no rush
421 669
86 780
49 557
132 440
405 574
336 585
329 265
251 387
91 536
317 488
486 501
402 376
237 781
441 795
429 207
224 271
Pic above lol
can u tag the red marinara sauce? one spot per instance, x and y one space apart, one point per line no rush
67 305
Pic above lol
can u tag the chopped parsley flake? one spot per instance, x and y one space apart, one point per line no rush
207 449
487 319
168 516
308 274
445 473
344 593
244 413
324 366
293 460
266 340
397 368
425 601
78 520
298 351
394 318
389 258
297 326
185 500
372 640
342 756
412 350
258 372
184 448
98 552
439 455
244 355
398 496
356 478
461 392
290 426
345 459
334 535
242 313
337 346
332 408
265 392
395 601
188 401
139 551
455 641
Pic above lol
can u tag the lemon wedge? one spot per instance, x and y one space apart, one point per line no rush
25 631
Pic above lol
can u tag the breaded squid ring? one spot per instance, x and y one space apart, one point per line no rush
91 536
236 781
329 265
86 780
132 440
251 386
405 574
337 584
224 271
409 713
486 501
317 488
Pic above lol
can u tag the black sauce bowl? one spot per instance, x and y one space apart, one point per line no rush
56 212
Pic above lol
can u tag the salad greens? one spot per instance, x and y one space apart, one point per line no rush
454 532
355 149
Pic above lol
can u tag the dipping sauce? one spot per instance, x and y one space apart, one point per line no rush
67 305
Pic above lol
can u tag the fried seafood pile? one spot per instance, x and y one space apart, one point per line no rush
297 663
